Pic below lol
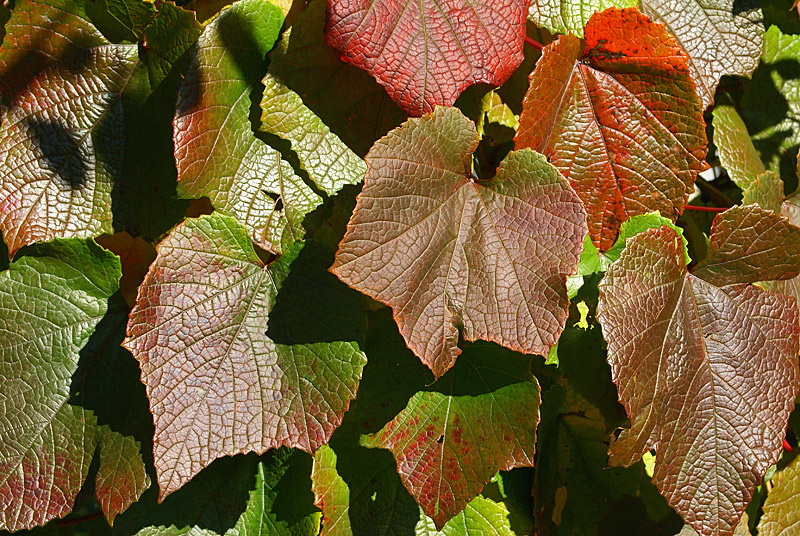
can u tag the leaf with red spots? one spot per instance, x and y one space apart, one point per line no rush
359 490
237 356
450 440
454 254
53 300
705 364
426 53
619 117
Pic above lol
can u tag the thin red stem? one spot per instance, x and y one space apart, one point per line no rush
76 520
534 44
706 209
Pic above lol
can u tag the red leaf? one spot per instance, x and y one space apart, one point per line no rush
620 118
453 254
707 373
426 53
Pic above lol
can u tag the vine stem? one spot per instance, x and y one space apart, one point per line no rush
76 520
706 209
535 44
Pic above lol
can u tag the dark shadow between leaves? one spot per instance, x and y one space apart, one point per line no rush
214 499
743 6
312 305
106 380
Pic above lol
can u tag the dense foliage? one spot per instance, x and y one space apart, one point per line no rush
486 268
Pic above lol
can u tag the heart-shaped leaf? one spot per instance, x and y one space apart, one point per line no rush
452 254
619 117
698 358
237 356
426 53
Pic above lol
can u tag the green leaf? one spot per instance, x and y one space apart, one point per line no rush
61 133
770 105
121 477
121 20
570 16
592 261
685 369
721 37
574 488
329 163
258 356
238 496
735 148
362 112
217 153
453 255
53 299
782 508
766 191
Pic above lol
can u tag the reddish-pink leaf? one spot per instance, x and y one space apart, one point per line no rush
450 253
426 53
707 373
619 117
448 447
121 477
237 356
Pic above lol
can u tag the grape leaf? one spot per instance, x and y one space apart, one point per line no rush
782 509
53 299
453 254
329 163
481 517
742 528
238 496
570 16
721 37
121 477
697 364
217 153
122 20
427 53
766 190
790 287
361 112
770 105
447 447
358 489
136 255
750 244
619 118
61 123
735 148
237 356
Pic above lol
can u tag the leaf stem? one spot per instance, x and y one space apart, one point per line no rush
535 44
705 209
80 519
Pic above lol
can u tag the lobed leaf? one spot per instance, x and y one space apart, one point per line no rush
53 300
237 356
619 117
451 254
721 37
766 191
61 123
426 53
698 364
